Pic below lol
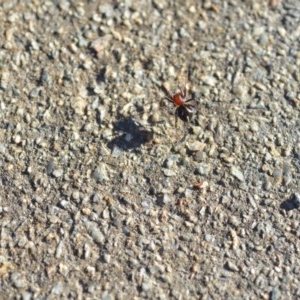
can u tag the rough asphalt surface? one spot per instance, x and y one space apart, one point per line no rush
102 197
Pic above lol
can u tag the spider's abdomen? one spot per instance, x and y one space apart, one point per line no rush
185 114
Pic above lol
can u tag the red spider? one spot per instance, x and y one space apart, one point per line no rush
185 112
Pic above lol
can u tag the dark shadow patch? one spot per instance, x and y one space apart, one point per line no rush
101 75
160 200
130 135
90 91
292 203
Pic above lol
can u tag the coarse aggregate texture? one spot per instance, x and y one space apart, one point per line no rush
102 197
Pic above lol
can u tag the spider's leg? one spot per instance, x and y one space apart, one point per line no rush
176 117
169 99
183 90
189 100
167 93
190 105
191 109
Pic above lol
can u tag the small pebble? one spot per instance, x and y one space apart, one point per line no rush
17 139
58 173
94 231
169 173
35 92
171 161
196 146
18 280
231 266
75 195
64 203
237 173
100 174
209 80
57 289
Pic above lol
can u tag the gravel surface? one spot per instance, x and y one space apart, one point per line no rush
102 197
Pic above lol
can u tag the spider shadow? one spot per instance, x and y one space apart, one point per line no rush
130 135
292 203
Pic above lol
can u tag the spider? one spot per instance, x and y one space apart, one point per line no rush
185 112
